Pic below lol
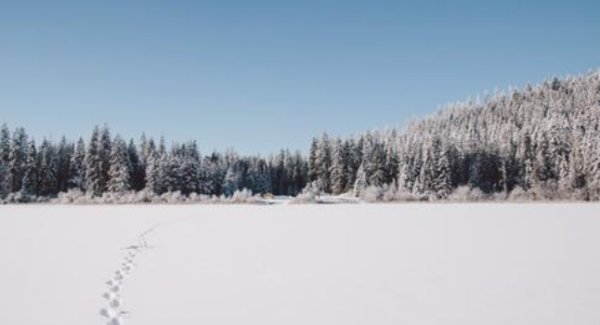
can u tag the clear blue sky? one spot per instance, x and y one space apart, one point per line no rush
261 75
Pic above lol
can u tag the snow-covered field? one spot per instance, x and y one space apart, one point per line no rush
301 264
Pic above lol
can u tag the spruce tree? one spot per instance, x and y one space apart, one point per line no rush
312 160
258 176
441 182
93 165
63 162
3 177
153 183
190 169
104 152
391 163
4 144
5 187
231 181
31 176
348 158
577 176
299 173
137 168
338 182
170 172
119 173
289 166
323 163
77 167
375 165
360 184
16 160
48 185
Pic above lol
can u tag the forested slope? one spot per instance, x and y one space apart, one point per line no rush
541 140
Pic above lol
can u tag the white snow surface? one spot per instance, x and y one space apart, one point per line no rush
301 264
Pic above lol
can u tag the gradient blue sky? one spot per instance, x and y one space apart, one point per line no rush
261 75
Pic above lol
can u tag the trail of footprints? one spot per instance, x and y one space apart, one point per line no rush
113 312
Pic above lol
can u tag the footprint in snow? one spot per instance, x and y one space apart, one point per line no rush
108 313
113 315
112 312
115 321
110 295
114 303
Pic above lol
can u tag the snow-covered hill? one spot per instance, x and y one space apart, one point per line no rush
300 264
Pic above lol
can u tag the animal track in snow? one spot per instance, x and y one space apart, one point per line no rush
113 312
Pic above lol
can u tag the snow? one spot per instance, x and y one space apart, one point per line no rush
301 264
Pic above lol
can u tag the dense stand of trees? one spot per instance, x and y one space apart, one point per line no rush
109 164
542 142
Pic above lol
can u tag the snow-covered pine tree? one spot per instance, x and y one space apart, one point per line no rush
153 183
323 163
164 170
441 182
336 170
119 173
137 167
104 151
4 143
374 160
259 180
63 161
190 168
162 149
16 159
577 176
278 173
348 151
360 184
312 160
212 173
435 172
231 181
93 165
543 165
428 169
289 166
404 184
77 167
48 185
170 171
299 175
357 154
392 164
31 175
5 187
526 156
149 147
509 165
593 168
143 152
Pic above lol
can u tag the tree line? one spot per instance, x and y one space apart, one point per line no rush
541 142
110 164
